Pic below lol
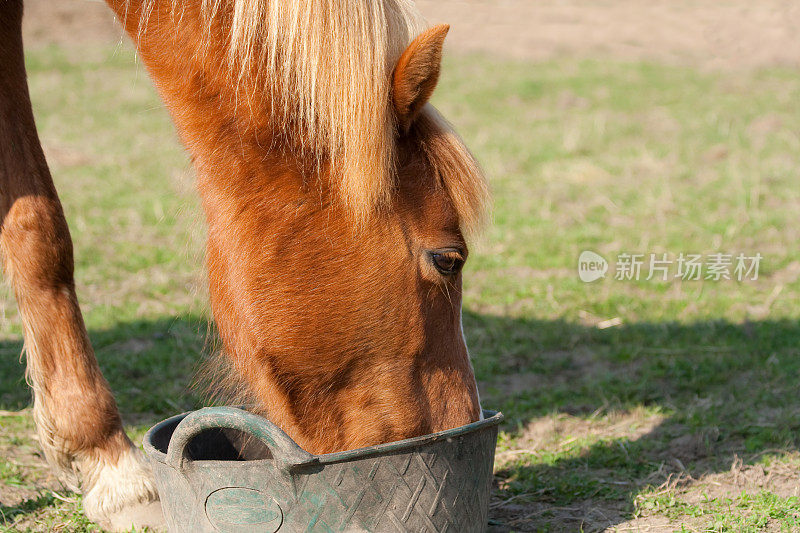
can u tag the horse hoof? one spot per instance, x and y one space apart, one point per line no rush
139 515
122 494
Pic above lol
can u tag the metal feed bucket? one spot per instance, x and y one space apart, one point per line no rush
434 483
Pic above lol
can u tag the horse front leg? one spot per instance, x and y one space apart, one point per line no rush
76 417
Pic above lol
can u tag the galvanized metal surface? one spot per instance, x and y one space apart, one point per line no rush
434 483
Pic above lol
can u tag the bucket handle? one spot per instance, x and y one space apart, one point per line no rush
285 452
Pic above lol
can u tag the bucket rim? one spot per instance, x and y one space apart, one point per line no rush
490 419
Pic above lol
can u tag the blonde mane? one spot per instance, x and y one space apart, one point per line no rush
327 65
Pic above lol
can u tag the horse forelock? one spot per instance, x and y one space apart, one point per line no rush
327 66
455 168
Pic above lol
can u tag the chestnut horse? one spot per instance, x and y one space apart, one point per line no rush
337 202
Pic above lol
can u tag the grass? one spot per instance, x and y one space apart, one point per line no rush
683 415
743 513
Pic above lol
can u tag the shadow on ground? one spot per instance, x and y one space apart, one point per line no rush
149 364
605 413
9 512
701 394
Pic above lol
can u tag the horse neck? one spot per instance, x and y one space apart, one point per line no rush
226 122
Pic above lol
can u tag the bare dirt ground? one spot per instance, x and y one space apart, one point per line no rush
734 33
730 34
66 22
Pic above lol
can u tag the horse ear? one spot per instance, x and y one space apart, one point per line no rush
416 74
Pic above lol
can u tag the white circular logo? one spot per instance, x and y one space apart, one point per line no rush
591 266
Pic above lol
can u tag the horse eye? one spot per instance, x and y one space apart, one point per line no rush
447 262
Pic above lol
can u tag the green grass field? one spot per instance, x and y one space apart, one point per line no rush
630 405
